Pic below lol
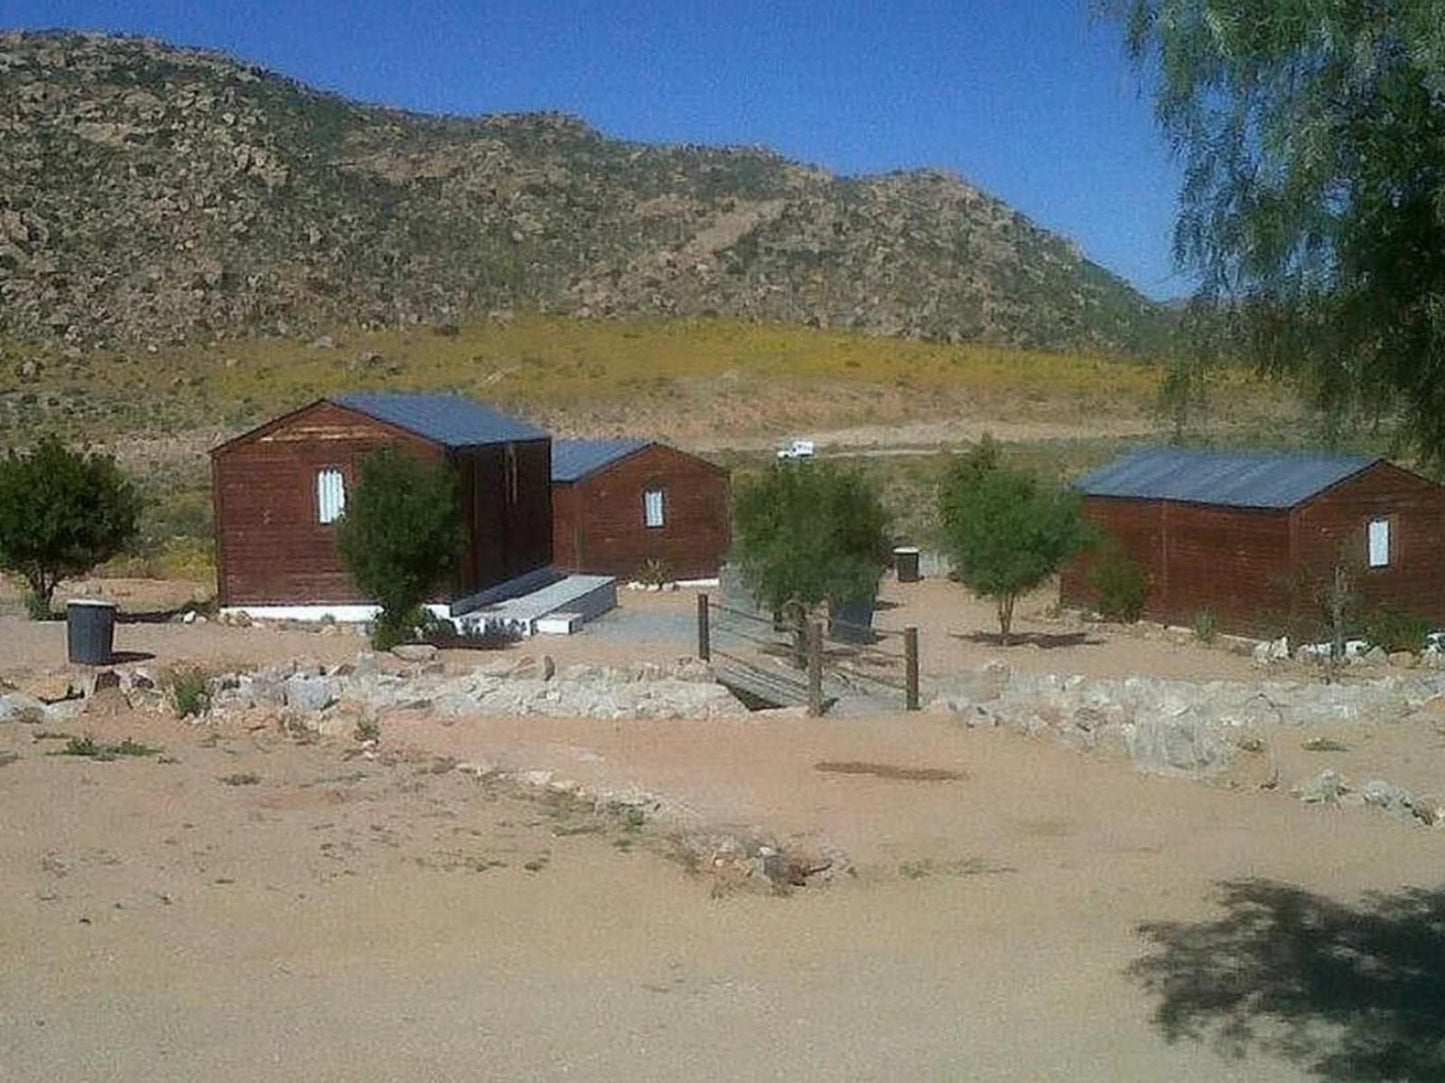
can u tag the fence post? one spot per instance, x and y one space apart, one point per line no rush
704 633
800 633
910 662
815 669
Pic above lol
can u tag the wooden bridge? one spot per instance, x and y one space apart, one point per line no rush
761 689
761 680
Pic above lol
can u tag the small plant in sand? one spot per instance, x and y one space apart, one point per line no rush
190 692
88 747
1206 626
655 573
368 730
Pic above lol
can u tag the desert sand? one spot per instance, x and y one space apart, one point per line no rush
238 905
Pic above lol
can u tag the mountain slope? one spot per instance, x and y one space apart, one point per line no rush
153 194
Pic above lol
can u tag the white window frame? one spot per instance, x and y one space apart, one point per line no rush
330 495
1379 544
654 508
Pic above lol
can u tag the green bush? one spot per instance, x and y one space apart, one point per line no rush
1006 530
1206 626
190 692
401 537
88 747
61 513
655 573
413 626
812 532
1122 585
1393 630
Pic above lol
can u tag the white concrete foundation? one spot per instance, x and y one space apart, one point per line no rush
342 614
582 596
558 624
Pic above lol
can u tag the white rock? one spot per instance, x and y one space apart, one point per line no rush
307 693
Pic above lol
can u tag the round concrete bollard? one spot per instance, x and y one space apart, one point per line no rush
90 631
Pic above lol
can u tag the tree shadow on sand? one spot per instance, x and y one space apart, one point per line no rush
1350 992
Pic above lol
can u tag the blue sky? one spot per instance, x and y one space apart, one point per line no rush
1029 99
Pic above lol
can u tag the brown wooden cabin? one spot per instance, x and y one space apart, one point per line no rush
618 504
1252 537
278 489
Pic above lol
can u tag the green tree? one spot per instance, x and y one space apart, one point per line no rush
62 512
808 531
1006 530
401 536
1313 204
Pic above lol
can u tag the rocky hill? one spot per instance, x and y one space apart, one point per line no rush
150 194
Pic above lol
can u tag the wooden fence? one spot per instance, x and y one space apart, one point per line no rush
877 659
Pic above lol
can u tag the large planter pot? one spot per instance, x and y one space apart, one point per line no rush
851 621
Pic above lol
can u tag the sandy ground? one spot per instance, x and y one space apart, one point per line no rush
340 917
240 906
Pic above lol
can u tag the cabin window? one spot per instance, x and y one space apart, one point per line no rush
652 508
330 495
1379 543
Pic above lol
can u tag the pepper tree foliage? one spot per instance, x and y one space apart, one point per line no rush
1006 530
400 536
808 531
1312 134
62 512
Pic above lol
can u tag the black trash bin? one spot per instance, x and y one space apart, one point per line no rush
905 563
90 631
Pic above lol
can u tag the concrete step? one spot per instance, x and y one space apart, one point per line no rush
526 583
580 597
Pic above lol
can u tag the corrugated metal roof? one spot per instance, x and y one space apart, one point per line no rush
1232 479
574 459
447 419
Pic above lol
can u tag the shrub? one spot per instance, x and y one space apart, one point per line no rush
655 573
811 532
190 692
89 748
1206 626
1393 630
400 537
61 514
1122 585
367 729
416 625
1006 530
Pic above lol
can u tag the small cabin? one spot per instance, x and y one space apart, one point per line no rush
622 506
1251 537
279 490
